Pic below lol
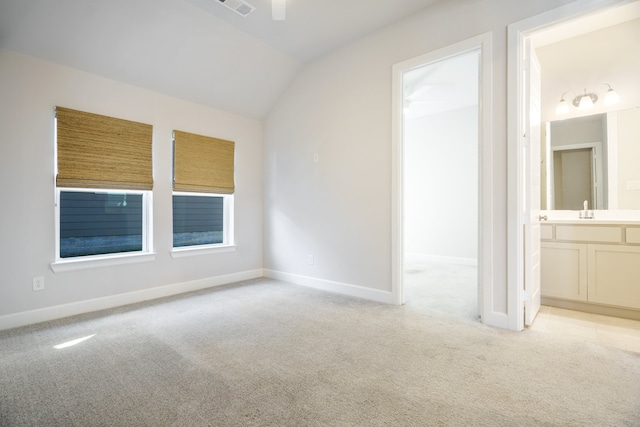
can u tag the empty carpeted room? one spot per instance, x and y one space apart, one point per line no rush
306 212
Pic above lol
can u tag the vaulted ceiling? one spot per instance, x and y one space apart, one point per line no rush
196 50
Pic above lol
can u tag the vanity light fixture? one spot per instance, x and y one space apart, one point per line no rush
587 100
611 97
563 106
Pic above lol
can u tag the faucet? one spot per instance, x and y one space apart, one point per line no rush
586 213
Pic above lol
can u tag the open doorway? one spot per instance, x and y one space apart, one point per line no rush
442 194
570 43
575 163
574 184
440 132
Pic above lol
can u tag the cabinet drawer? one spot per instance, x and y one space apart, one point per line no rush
589 234
633 235
546 232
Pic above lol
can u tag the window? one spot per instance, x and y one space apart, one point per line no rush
103 186
203 191
98 223
198 219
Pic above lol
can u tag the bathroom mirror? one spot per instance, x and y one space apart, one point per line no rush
594 158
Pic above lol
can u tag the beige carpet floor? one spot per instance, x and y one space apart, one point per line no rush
268 353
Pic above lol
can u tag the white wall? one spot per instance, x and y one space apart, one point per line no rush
340 106
579 130
628 154
29 91
587 61
441 184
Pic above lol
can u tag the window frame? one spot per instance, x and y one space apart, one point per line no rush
91 261
228 235
115 258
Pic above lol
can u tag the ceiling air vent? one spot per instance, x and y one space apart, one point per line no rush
238 6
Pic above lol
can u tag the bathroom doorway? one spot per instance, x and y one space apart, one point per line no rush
560 36
439 164
574 178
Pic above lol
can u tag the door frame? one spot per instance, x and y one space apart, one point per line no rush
517 33
484 44
597 188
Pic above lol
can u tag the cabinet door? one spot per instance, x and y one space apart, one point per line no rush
614 275
564 270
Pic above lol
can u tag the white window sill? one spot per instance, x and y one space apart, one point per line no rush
188 251
102 261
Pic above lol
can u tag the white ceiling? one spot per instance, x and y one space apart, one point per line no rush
194 49
588 23
315 27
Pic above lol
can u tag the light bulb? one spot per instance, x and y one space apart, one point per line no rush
611 97
563 107
585 102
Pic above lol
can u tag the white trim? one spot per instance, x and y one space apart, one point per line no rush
483 43
331 286
547 162
612 160
81 263
59 311
147 223
147 229
187 251
486 285
228 232
516 34
229 219
397 181
515 248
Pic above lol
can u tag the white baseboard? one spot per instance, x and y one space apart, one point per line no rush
59 311
417 257
331 286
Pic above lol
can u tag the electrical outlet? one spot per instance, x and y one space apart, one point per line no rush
38 283
310 259
633 185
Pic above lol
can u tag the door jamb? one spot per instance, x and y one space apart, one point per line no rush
484 43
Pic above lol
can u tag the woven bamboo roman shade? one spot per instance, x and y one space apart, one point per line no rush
202 164
97 151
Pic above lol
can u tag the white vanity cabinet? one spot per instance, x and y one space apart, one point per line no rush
614 275
593 263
